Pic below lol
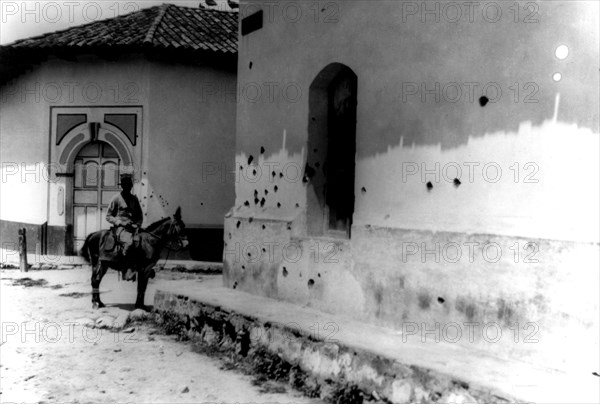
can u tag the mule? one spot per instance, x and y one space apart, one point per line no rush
152 241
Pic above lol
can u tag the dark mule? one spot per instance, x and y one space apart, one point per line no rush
152 240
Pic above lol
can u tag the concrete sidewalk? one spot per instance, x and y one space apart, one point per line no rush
354 351
10 259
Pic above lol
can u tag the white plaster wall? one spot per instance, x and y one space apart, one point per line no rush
554 139
190 144
181 133
547 186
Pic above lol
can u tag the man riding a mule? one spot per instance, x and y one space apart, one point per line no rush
125 214
168 232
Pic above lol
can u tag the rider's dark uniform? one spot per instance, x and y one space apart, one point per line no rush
125 214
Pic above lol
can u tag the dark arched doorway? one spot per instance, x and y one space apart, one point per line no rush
96 180
332 151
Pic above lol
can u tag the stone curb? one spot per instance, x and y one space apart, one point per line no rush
374 378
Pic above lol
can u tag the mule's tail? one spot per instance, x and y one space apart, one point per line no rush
85 250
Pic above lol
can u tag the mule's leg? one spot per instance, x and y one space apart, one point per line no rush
141 286
95 283
97 275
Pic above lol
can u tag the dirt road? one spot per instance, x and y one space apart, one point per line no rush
51 353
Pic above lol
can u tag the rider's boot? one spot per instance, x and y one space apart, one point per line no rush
129 274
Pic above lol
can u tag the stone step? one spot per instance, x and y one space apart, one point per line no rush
378 361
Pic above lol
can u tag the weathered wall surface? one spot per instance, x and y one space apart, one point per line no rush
527 165
191 142
183 137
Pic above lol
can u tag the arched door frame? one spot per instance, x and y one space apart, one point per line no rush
75 140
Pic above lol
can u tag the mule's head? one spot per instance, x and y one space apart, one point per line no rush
177 229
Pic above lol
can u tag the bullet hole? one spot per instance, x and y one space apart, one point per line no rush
309 171
250 160
266 192
289 226
278 204
151 196
234 285
363 190
255 193
262 202
275 188
144 172
285 272
253 172
145 197
319 275
264 250
310 283
246 203
229 236
429 186
273 173
243 266
313 118
237 225
262 150
249 255
143 184
256 201
441 300
297 205
462 385
483 100
457 182
264 227
241 168
145 214
250 219
280 175
315 150
250 65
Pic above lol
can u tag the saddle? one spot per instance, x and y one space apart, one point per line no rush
111 248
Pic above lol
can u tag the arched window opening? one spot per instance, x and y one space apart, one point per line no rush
332 151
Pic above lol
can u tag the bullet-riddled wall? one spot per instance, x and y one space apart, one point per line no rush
476 166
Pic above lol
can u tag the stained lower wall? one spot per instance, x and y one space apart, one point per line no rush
507 296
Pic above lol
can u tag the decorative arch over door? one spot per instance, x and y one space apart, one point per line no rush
332 150
117 133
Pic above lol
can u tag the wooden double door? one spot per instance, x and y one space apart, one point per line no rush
96 181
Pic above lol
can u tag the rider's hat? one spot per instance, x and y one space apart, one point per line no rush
126 178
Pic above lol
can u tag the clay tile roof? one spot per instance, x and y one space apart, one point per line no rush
162 27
